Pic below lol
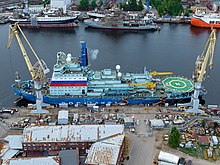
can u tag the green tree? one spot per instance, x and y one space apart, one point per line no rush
169 7
83 5
186 12
132 5
140 5
100 3
93 4
174 138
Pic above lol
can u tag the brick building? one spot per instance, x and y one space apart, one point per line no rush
49 140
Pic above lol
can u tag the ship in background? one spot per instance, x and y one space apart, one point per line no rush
205 19
118 20
74 83
46 20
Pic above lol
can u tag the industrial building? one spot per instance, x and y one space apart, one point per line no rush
5 3
63 117
108 151
68 156
49 140
33 161
60 4
10 146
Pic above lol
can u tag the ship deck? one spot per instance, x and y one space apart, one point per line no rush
178 84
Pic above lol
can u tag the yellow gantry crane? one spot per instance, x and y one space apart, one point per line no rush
200 68
37 71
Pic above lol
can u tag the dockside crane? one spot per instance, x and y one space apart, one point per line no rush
37 71
200 69
155 73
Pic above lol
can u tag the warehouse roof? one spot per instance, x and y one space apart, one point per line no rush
63 115
15 141
72 133
33 161
105 152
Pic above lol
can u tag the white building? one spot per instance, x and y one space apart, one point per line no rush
214 140
60 4
165 158
106 152
63 117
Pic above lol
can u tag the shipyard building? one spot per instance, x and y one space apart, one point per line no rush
49 140
100 144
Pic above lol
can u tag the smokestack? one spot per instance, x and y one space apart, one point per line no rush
84 55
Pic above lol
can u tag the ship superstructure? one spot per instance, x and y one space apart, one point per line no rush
73 82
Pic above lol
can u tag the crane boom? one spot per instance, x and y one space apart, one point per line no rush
150 85
207 55
155 73
25 55
36 73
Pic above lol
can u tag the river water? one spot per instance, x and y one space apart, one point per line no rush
173 48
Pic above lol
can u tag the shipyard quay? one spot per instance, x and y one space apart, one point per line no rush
109 87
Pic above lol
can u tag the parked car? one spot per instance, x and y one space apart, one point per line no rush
3 110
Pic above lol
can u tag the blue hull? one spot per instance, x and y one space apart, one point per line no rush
96 100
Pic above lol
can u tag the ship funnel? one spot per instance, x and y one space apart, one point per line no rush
84 55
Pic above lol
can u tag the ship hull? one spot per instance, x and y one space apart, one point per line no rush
97 100
68 25
57 22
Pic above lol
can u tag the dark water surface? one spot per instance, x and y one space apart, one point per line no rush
174 48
